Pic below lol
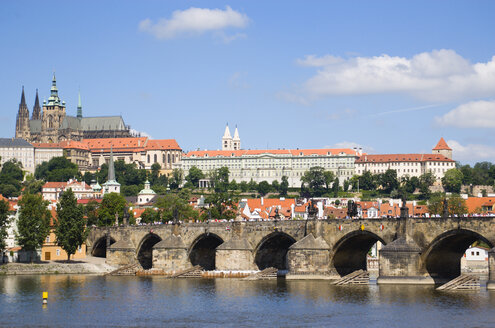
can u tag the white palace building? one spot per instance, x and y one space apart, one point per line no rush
271 164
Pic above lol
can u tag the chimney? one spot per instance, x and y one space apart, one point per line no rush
262 202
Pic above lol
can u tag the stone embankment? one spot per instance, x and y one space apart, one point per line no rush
89 266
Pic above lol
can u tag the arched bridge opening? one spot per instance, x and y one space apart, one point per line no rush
272 251
100 247
442 260
202 251
145 251
351 251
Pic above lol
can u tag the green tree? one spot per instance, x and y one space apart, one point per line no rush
150 216
91 213
220 179
410 184
264 188
172 205
70 227
223 206
346 185
284 186
4 222
131 190
388 180
367 181
276 186
112 205
252 185
34 222
155 173
452 180
194 176
329 179
244 186
57 169
11 177
32 186
176 179
435 203
335 187
426 180
233 185
457 205
313 181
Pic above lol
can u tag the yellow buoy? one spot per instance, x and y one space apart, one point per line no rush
362 227
45 297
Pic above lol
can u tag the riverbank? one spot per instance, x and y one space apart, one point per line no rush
90 265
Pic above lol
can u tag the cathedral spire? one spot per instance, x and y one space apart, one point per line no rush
79 107
23 99
36 108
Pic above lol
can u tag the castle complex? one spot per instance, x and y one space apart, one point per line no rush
51 123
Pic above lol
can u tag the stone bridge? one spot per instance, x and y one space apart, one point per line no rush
416 250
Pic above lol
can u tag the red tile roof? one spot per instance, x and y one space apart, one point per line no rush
162 144
474 204
251 152
388 158
442 145
54 185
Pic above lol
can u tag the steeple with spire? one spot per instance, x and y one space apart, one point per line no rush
236 141
36 108
111 185
79 107
227 139
22 121
54 98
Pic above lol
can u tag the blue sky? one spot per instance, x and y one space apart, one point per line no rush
390 76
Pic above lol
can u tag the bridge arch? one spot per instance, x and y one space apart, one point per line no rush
350 252
442 258
202 250
272 251
99 248
145 250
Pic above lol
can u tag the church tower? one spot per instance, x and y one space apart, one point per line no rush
236 141
227 139
53 115
443 149
79 107
22 121
36 108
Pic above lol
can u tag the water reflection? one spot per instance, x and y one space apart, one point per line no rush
157 301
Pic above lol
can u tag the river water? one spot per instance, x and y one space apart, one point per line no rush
84 301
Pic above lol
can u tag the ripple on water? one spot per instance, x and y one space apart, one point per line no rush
86 301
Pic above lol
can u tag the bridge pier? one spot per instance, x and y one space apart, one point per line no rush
170 255
121 253
400 263
491 269
309 258
235 255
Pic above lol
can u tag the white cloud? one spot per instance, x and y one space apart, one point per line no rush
194 21
471 152
475 114
439 75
